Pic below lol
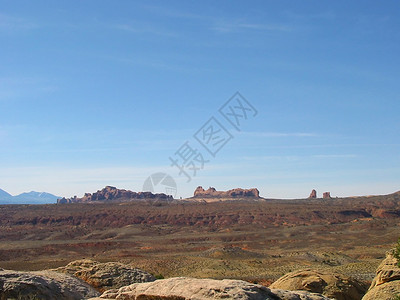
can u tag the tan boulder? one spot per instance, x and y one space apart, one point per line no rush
387 271
105 276
331 285
386 284
387 291
43 285
182 288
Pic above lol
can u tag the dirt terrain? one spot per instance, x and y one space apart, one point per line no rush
253 240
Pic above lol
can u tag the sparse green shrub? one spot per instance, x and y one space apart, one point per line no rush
160 276
397 297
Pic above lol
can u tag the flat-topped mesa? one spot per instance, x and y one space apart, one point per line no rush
110 193
234 193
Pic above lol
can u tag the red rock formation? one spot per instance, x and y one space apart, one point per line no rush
235 193
313 194
327 195
110 193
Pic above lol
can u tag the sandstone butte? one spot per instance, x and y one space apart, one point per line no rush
326 195
112 194
234 193
313 194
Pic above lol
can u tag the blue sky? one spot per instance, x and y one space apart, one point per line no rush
96 93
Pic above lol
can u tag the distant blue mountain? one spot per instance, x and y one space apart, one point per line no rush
4 195
27 198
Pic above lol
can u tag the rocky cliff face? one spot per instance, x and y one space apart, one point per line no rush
386 284
235 193
110 193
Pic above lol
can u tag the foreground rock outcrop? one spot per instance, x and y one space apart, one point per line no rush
182 288
105 276
43 285
112 194
235 193
331 285
386 284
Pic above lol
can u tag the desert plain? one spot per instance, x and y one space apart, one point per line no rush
254 240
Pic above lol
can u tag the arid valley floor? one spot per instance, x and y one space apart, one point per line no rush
257 241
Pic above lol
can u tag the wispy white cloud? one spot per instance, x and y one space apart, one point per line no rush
298 157
167 11
220 26
271 157
313 146
160 63
15 87
328 156
84 141
327 15
11 24
157 64
279 134
233 26
144 29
